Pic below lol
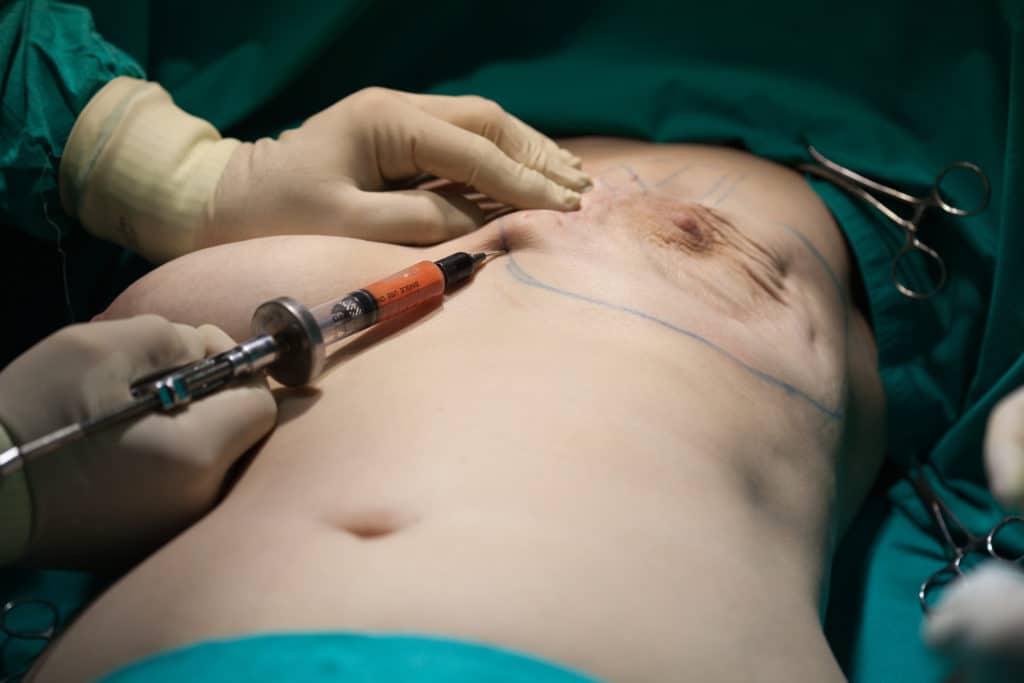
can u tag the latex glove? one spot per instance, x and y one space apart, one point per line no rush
1004 451
120 492
324 177
141 172
980 624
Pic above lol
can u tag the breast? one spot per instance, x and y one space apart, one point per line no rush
754 290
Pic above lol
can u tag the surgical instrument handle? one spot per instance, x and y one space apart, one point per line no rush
168 392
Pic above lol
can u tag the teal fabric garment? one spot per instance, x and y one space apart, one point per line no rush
883 87
65 591
349 657
52 61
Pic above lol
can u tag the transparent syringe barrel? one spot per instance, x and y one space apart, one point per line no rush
384 299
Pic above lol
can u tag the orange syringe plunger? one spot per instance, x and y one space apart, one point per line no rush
419 284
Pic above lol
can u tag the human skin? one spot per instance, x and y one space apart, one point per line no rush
627 446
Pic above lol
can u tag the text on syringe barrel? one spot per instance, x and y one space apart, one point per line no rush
380 301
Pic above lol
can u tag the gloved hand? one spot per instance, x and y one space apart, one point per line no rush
980 624
324 177
141 172
120 492
1004 451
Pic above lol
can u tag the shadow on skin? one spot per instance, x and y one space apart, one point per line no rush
295 401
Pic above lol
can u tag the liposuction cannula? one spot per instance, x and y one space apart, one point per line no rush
289 344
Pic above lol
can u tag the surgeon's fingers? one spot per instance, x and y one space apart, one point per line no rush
215 340
147 342
514 137
232 420
416 217
222 426
125 351
450 152
981 617
1004 450
519 141
196 446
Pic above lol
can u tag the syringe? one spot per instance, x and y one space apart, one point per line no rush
302 335
289 344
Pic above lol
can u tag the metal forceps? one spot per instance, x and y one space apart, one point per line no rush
958 539
39 621
867 190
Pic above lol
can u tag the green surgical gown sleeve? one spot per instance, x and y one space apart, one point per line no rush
52 61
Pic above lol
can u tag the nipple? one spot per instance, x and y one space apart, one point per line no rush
696 236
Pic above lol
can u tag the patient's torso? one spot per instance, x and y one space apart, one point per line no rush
616 448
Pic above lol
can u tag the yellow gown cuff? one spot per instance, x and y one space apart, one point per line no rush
141 172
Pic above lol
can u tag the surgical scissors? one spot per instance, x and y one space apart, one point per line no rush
959 541
866 189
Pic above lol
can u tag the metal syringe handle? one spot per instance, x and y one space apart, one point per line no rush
179 387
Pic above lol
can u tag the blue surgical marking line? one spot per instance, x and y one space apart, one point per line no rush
821 259
714 188
672 175
729 190
636 178
843 301
518 273
607 175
